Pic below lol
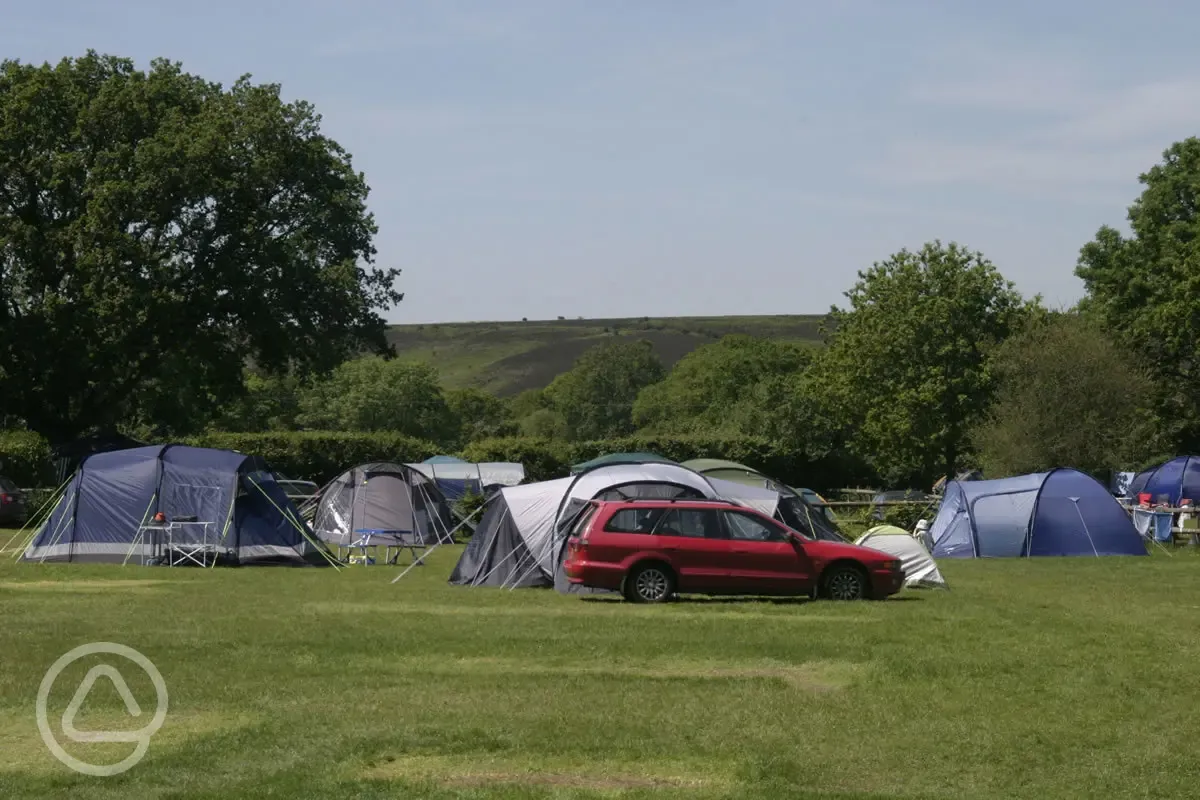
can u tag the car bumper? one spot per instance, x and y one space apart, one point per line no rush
887 582
591 574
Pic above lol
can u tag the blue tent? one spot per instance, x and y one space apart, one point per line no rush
1058 513
1177 479
231 500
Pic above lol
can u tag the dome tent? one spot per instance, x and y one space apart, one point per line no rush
614 459
392 504
920 570
1058 513
1176 480
518 540
102 513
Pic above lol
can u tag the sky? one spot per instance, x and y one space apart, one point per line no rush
620 158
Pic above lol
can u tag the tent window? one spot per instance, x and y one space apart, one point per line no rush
634 520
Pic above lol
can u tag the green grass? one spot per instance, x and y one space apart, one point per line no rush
509 357
1038 678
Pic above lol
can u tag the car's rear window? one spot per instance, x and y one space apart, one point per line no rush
7 486
633 520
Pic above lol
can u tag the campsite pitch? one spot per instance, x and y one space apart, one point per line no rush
1035 678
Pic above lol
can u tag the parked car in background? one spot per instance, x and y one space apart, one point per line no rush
14 505
652 549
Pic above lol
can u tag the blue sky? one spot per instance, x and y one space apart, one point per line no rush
531 158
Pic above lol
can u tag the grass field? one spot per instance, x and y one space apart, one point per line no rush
509 357
1037 678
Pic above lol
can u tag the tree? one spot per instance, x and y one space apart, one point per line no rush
158 231
377 394
717 386
1142 289
1066 397
906 367
479 415
596 396
270 403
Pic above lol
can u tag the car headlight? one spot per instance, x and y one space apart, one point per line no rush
894 566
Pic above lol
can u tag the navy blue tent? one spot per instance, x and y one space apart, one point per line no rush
1058 513
1177 479
103 512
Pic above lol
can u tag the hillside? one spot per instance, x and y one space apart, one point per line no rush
510 357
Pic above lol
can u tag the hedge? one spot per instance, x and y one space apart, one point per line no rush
26 458
322 455
545 459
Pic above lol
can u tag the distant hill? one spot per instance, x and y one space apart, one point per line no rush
509 357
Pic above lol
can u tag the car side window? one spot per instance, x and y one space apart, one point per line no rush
696 523
633 520
748 527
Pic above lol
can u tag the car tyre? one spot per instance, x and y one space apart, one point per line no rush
845 582
649 583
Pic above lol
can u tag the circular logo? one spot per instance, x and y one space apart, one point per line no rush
140 737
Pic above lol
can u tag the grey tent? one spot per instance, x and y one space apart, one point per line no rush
519 541
382 504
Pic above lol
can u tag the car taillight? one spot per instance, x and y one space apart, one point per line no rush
5 499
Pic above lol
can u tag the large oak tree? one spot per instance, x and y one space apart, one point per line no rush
157 231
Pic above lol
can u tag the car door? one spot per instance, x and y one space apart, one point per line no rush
693 539
763 558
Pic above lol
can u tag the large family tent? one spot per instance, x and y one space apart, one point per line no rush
1177 479
519 539
614 459
102 513
382 504
455 477
1058 513
802 509
920 570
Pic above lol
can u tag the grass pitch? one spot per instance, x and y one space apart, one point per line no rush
1039 678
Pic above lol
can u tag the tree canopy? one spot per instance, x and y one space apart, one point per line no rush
1143 288
596 396
377 394
158 231
1066 397
720 386
906 365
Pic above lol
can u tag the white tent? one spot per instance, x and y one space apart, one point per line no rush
515 543
920 570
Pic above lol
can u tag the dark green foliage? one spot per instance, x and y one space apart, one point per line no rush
1067 397
158 230
321 455
26 458
545 459
596 397
1142 289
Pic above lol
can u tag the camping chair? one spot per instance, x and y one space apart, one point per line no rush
190 541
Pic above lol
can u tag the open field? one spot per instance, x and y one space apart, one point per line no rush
1042 678
509 357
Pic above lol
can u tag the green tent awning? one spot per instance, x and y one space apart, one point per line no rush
620 458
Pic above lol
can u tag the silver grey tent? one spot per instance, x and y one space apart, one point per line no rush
519 541
382 504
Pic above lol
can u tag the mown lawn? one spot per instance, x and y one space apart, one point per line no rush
1047 678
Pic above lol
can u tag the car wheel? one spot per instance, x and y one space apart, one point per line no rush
649 583
845 583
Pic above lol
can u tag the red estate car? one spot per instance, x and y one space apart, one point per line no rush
651 549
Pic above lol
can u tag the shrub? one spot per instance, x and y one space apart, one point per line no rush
26 458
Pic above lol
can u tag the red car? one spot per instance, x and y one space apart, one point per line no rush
652 549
